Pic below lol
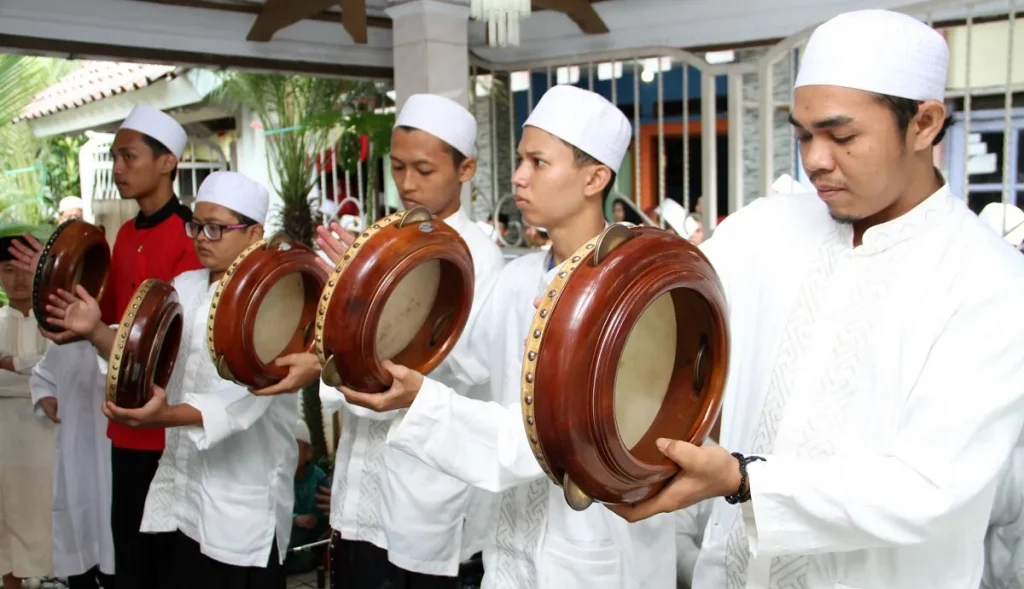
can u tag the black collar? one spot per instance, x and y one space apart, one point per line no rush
173 207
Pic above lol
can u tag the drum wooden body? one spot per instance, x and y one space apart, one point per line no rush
629 344
146 345
76 253
263 309
402 292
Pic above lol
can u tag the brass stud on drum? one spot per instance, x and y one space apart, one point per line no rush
577 499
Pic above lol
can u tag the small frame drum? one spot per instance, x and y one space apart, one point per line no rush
401 292
145 346
76 253
629 344
263 309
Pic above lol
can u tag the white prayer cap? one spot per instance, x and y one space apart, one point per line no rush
236 192
1006 220
351 223
302 431
159 125
877 51
674 215
441 117
585 120
70 202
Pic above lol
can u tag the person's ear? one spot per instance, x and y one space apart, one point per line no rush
927 124
467 169
598 178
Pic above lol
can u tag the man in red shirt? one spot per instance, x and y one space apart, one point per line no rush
146 150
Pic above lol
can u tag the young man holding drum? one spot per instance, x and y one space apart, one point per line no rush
395 519
222 494
146 151
572 145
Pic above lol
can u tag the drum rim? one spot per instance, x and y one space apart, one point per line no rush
114 364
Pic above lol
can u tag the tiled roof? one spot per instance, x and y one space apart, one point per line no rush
95 80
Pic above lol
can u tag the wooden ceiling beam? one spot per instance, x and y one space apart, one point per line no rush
581 13
353 18
278 14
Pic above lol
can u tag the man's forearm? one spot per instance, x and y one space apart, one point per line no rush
102 337
180 415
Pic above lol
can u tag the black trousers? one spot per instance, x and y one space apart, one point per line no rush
361 565
186 567
137 556
91 579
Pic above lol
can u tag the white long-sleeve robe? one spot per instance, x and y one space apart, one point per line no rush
538 541
883 383
26 455
228 484
427 520
82 538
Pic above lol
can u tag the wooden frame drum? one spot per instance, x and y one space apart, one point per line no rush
76 253
146 345
401 292
629 344
264 308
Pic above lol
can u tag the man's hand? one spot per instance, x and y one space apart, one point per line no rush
403 391
7 363
144 416
306 522
303 369
334 241
79 315
323 499
49 407
707 471
26 257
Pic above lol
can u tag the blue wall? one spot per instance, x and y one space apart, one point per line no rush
672 90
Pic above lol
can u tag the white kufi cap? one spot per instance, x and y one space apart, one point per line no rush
877 51
159 125
1006 220
302 431
70 202
236 192
585 120
441 117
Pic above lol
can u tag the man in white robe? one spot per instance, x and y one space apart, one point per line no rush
876 382
224 487
26 440
395 519
67 387
572 146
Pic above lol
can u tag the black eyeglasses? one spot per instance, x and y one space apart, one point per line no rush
212 231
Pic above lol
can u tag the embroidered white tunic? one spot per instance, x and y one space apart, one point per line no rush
428 521
74 375
26 455
227 484
885 386
538 541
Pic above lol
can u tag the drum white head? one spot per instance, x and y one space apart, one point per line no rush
278 317
645 370
407 309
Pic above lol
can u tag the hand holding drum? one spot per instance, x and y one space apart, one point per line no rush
401 292
646 311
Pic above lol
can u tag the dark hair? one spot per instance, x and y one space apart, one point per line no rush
457 156
159 149
242 219
581 158
905 109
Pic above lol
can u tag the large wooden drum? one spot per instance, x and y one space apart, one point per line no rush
145 346
263 309
76 253
629 344
402 292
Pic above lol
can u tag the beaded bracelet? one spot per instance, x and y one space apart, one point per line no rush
743 493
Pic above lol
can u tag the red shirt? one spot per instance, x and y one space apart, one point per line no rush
146 247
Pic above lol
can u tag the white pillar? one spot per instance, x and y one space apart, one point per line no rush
431 53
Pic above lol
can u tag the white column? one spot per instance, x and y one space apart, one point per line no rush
431 53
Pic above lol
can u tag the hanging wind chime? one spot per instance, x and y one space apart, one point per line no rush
502 18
